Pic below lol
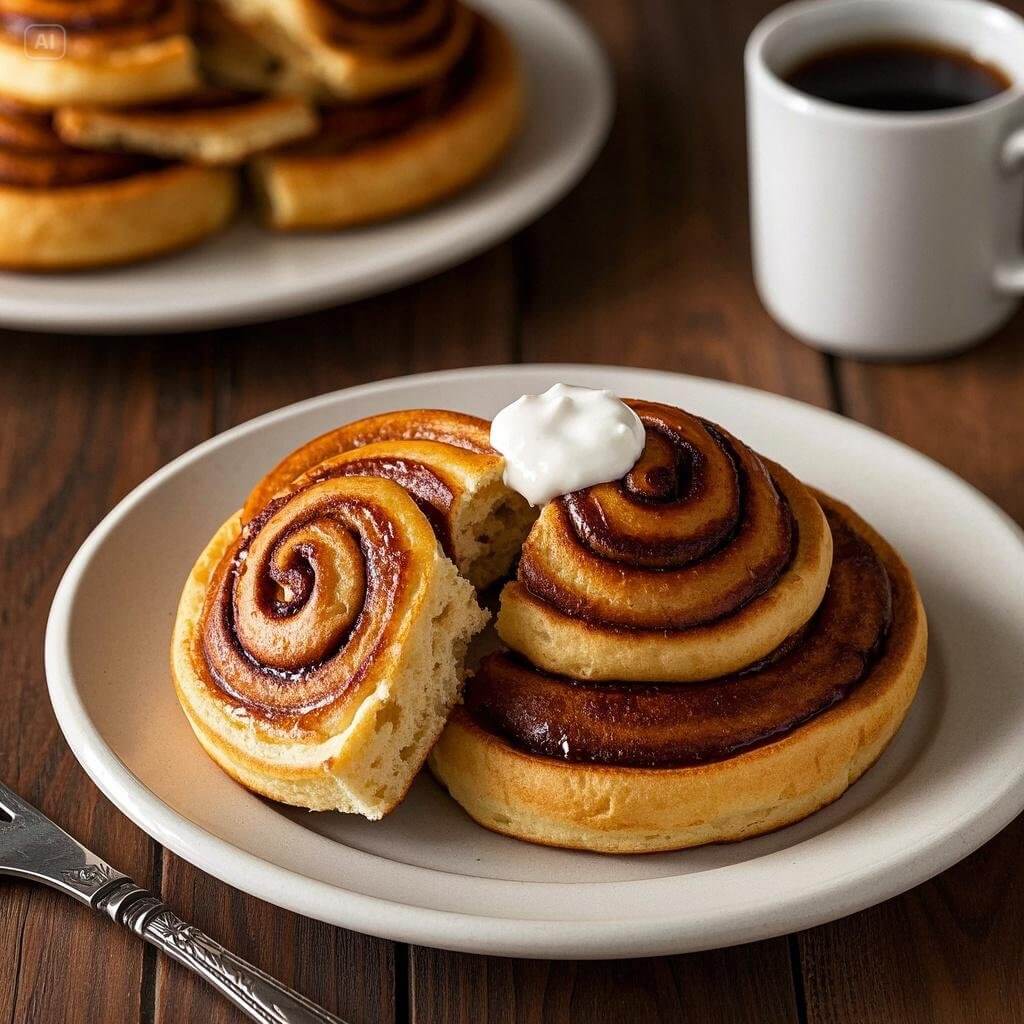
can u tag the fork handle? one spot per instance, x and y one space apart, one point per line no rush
253 991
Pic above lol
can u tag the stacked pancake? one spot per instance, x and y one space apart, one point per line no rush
321 636
702 651
122 123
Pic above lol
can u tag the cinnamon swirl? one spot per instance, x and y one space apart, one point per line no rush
318 648
384 157
702 651
215 126
63 207
443 459
96 51
354 49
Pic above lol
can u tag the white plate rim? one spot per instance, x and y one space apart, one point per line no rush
449 243
802 907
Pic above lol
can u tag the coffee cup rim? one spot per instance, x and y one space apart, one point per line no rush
759 71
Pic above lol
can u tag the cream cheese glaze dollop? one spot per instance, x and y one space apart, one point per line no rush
566 439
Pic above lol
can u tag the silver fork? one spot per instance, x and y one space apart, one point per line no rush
33 847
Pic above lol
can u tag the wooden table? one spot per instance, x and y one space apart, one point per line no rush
646 263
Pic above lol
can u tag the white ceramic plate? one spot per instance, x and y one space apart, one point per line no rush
248 274
426 874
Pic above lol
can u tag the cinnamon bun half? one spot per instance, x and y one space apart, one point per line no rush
318 648
62 207
96 51
703 651
379 158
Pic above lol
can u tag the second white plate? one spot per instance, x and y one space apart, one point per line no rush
427 874
249 274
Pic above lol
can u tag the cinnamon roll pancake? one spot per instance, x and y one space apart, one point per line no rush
318 648
96 51
62 207
358 49
443 460
215 126
702 651
383 157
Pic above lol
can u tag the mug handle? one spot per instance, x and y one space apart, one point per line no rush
1009 276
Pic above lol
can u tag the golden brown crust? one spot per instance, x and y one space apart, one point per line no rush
107 51
617 809
451 428
405 170
105 223
215 127
62 207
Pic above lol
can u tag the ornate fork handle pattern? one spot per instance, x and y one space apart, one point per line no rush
253 991
34 848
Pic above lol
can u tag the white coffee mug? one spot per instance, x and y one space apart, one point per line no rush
877 234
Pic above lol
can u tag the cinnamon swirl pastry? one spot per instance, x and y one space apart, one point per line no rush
318 649
63 207
701 651
358 49
384 157
96 51
214 126
444 461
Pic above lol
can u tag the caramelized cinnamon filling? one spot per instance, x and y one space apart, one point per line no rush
33 156
699 517
208 98
456 429
678 724
347 126
300 606
432 495
393 28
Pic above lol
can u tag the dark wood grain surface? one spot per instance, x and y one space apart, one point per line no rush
646 263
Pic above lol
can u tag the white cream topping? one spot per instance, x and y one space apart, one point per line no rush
566 439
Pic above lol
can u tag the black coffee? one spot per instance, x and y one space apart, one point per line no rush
897 75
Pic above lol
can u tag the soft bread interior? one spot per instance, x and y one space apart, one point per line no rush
404 722
489 529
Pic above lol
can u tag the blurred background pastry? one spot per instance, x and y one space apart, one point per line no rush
62 207
345 113
356 49
115 52
382 157
211 126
